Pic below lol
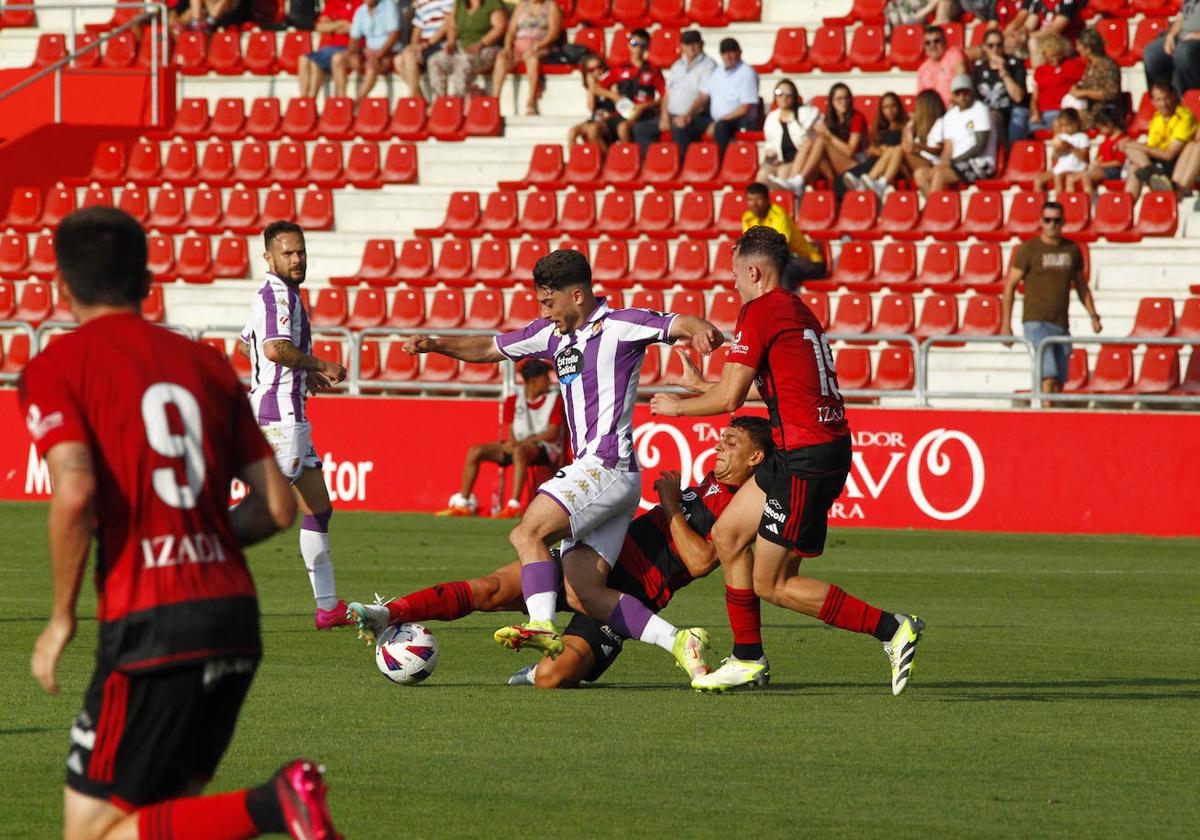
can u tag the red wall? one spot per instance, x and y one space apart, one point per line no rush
1039 472
53 153
90 97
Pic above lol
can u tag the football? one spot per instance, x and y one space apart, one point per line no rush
406 654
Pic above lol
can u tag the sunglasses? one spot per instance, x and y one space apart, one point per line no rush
634 42
1052 220
933 42
993 45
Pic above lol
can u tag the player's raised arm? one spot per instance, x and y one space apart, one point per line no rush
73 477
723 397
270 506
702 334
468 348
698 554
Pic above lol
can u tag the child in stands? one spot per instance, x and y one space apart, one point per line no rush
1110 160
1069 151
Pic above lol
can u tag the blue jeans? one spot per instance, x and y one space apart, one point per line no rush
1018 124
1047 122
1057 357
1182 69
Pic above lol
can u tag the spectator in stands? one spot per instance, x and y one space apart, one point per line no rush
601 126
1069 153
918 151
209 15
428 36
883 150
1053 80
535 434
839 145
728 102
1049 266
901 12
1000 82
684 81
1110 161
787 132
806 262
335 19
1168 159
534 31
968 142
1175 55
373 48
1048 19
639 87
1100 87
941 64
474 36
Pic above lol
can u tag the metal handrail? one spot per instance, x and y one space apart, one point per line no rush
33 344
70 326
159 47
1037 395
508 376
933 341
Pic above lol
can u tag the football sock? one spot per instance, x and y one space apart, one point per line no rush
745 619
849 613
539 585
888 625
444 602
224 816
631 619
314 548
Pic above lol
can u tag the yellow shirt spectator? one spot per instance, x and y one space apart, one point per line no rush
778 219
1181 126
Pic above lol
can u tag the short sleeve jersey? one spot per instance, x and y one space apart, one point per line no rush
640 84
649 567
1048 271
1108 151
339 10
1053 82
991 88
534 417
780 338
168 429
1181 127
277 393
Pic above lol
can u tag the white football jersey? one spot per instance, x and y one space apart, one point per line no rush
277 393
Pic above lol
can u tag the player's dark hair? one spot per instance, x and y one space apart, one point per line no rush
758 429
276 229
758 189
533 369
562 269
101 253
762 241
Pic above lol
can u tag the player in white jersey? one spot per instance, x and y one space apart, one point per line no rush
589 504
278 340
536 432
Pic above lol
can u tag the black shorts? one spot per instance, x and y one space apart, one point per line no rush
142 738
542 459
801 485
971 170
1156 167
602 639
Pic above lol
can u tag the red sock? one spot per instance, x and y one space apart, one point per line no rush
745 615
849 613
444 602
220 817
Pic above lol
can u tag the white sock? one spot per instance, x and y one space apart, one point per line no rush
314 548
659 632
514 503
542 606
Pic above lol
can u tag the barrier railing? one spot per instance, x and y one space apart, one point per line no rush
945 341
47 327
1038 396
155 15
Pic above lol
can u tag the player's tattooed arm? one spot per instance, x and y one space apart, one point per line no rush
697 553
72 509
283 352
268 508
468 348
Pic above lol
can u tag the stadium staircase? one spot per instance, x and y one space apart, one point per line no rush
429 215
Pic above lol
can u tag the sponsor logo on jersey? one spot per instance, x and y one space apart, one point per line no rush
583 486
39 426
777 515
775 504
737 346
690 495
569 365
712 491
569 496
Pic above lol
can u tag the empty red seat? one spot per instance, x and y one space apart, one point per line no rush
818 304
300 119
701 166
985 214
370 309
1115 33
194 262
578 216
168 211
895 370
14 256
650 263
253 164
191 119
362 166
661 165
499 217
818 211
24 209
696 215
981 316
1147 30
400 164
941 216
414 265
152 306
446 118
264 121
897 264
204 212
690 267
940 267
96 197
120 52
371 119
1159 371
1158 215
225 52
1188 325
462 215
853 368
583 166
447 310
545 168
739 167
707 13
18 354
135 202
160 257
898 217
907 46
855 264
896 314
982 267
295 44
1026 158
232 261
337 119
290 167
1024 216
261 57
1113 371
331 308
827 52
651 370
522 309
617 215
144 165
51 47
852 314
179 168
378 263
656 217
408 118
408 309
325 168
483 117
1155 318
729 214
36 303
229 118
621 166
108 164
42 262
868 48
1077 213
790 53
1114 217
279 204
454 263
724 310
539 216
664 46
857 216
743 11
528 253
493 263
486 312
939 316
1077 371
191 53
610 264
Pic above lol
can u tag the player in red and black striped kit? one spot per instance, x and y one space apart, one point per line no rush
143 430
781 355
665 549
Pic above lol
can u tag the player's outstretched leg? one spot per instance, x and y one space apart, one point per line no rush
544 523
899 632
901 649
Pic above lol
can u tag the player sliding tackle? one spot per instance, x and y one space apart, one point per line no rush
588 504
780 347
666 548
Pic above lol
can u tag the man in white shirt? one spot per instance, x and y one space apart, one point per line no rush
966 138
686 76
727 103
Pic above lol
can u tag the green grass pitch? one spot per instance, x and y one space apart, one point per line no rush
1056 694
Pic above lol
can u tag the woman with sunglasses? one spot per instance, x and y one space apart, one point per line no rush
885 155
839 143
784 137
1000 82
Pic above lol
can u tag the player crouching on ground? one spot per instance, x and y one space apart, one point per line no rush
536 430
665 549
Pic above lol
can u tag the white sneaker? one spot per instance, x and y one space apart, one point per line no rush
877 186
777 182
735 673
371 619
902 650
688 650
795 184
852 181
525 676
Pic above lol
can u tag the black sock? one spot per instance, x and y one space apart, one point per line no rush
753 651
888 625
262 803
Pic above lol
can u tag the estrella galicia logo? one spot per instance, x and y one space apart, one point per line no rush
569 364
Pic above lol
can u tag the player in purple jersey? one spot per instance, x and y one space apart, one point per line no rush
589 504
278 340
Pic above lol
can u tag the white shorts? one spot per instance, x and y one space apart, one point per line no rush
601 503
293 447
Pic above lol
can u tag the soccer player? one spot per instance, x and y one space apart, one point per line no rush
143 430
278 340
665 549
536 432
589 503
780 347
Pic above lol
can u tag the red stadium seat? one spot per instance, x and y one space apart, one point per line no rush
18 354
264 121
1191 378
853 368
1115 33
279 204
191 53
58 203
858 213
300 119
539 216
743 11
408 118
295 44
446 118
868 49
981 316
493 263
700 166
14 256
690 268
852 314
580 245
454 263
650 264
328 349
790 53
696 215
42 262
160 258
371 120
818 304
120 52
370 309
724 310
583 166
617 215
618 50
108 164
982 267
8 305
610 264
940 267
1113 218
51 47
191 119
487 310
1077 371
591 38
325 168
144 165
499 217
1155 318
337 119
62 308
331 308
483 117
316 210
941 216
898 217
362 166
35 304
861 11
194 263
907 46
1024 216
399 366
378 263
895 370
629 13
855 265
621 166
97 197
168 211
1026 159
229 118
1159 372
1188 325
290 167
661 165
225 53
710 13
447 310
939 316
204 212
233 259
729 215
897 265
656 217
545 168
818 210
1147 30
578 216
400 164
414 265
135 202
675 371
1158 215
408 309
827 52
1113 371
528 253
739 167
651 370
152 306
1077 212
368 360
896 314
179 168
522 309
664 45
261 57
985 214
462 215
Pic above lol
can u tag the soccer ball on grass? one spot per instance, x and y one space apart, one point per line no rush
406 654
